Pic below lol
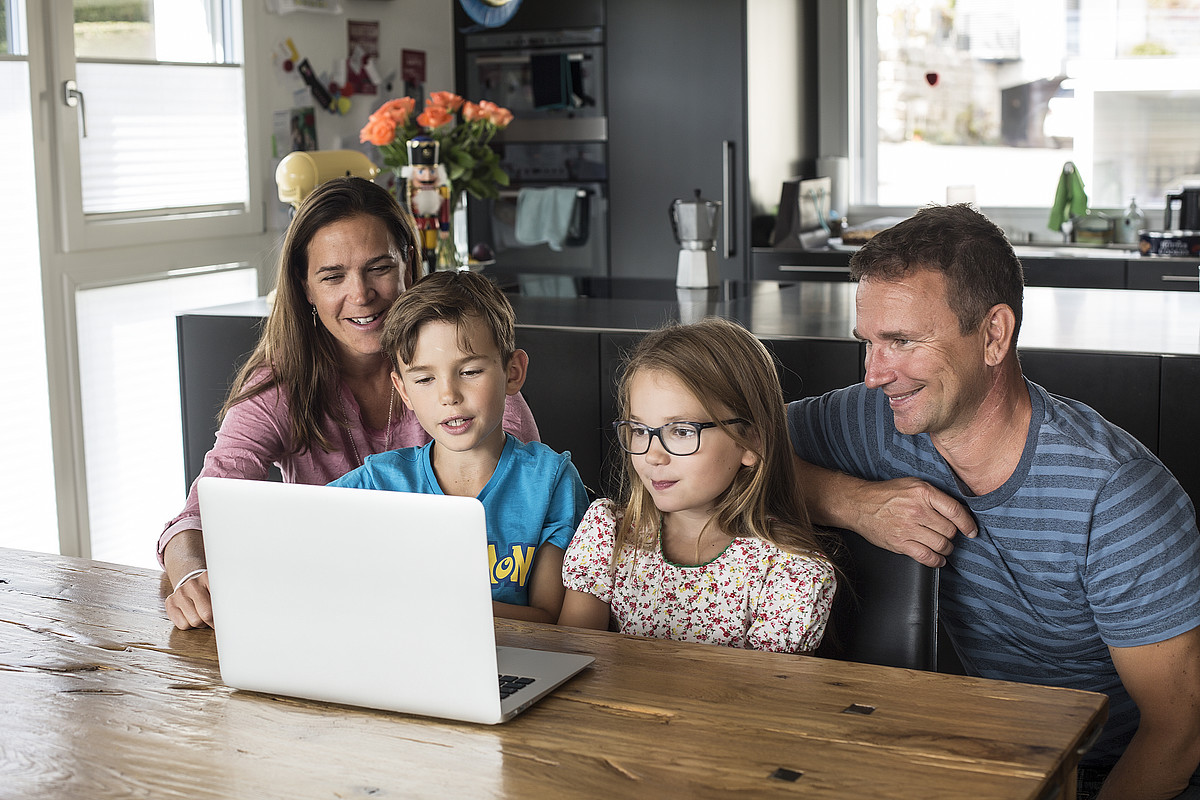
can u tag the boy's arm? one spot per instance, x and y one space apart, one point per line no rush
583 610
545 589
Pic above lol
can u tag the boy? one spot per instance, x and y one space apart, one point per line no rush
452 344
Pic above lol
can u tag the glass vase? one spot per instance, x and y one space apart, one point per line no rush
452 244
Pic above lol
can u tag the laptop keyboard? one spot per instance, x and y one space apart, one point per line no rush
512 683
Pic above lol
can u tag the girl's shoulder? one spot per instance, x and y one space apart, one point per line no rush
772 556
602 514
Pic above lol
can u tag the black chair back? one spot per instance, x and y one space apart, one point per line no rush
885 611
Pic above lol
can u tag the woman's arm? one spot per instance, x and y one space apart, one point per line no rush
248 442
518 419
190 605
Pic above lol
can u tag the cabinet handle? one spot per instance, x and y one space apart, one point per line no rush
831 268
1181 278
727 194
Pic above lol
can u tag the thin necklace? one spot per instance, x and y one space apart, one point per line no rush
387 436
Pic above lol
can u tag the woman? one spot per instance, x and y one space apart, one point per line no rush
315 396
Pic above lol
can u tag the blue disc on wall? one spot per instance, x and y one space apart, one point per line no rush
490 13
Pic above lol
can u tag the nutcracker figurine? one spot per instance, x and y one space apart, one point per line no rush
428 193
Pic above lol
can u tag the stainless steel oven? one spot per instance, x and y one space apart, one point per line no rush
553 80
575 166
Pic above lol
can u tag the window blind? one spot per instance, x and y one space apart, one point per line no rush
162 137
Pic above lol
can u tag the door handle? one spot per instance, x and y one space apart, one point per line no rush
73 98
727 195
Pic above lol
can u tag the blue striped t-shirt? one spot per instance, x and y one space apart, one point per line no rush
1091 542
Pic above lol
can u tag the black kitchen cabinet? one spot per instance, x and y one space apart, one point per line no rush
1179 422
576 349
563 390
770 264
809 367
1124 389
1082 273
1164 274
677 122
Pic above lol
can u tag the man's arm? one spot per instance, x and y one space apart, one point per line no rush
1164 680
904 515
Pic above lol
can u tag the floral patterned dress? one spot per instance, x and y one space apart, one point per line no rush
753 595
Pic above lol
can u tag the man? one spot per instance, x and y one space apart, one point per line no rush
1080 561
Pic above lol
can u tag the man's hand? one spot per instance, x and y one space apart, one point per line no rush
908 516
905 515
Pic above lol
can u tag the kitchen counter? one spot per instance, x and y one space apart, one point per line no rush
1082 320
1133 356
1114 267
1087 320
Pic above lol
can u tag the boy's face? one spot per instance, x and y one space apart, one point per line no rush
458 396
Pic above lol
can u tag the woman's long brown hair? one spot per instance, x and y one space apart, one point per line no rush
302 358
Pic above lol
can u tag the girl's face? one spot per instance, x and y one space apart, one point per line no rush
682 483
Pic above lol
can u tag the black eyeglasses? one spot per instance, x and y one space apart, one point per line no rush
678 438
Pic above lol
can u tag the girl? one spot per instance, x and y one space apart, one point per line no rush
710 542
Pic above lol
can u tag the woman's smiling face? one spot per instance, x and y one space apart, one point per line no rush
354 276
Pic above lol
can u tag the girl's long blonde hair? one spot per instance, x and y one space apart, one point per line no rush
731 374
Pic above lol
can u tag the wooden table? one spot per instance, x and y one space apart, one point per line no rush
100 697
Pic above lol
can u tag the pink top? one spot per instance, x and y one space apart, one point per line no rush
753 595
255 434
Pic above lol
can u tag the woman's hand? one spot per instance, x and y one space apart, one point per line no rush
190 606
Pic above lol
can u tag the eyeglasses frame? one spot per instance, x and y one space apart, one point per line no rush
699 426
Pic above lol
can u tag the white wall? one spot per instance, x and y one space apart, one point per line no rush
321 38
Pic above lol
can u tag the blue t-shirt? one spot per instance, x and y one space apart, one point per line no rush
534 497
1091 542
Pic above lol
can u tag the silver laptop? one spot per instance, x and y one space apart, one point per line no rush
367 598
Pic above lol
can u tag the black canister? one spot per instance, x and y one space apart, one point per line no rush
1188 199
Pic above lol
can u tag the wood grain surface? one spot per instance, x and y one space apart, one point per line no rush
100 697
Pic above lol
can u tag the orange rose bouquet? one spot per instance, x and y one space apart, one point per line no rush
463 131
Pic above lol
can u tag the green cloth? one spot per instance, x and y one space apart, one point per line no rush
1070 200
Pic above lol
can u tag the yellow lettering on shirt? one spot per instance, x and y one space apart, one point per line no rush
523 561
513 567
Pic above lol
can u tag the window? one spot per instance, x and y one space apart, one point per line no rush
27 496
153 210
153 123
1000 96
129 377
